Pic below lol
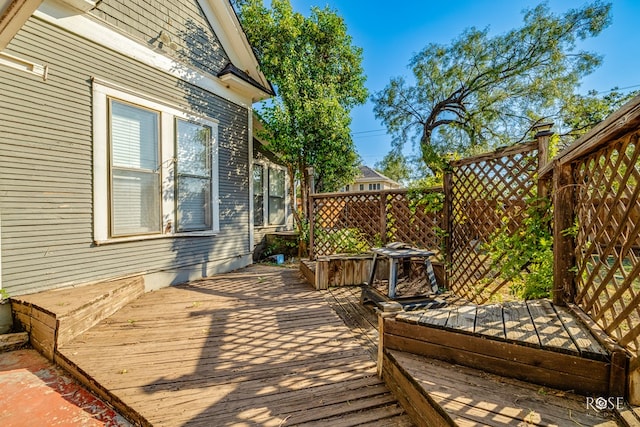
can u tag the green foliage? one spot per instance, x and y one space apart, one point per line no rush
318 76
4 295
483 90
525 257
280 246
425 199
395 166
581 112
343 241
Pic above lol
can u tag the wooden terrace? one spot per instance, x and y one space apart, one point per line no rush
253 347
260 347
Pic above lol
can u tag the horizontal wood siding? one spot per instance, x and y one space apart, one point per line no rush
46 167
178 28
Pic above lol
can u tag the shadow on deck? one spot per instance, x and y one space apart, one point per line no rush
252 347
454 363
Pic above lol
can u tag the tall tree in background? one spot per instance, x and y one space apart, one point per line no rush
318 76
395 166
483 90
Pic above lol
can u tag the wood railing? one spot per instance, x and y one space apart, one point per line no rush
356 222
594 186
596 183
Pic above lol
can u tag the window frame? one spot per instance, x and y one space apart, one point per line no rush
103 92
112 166
283 197
266 167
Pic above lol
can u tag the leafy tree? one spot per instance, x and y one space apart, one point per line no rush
581 112
318 76
395 166
482 90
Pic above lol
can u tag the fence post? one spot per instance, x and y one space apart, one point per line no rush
383 217
563 244
543 135
312 226
447 219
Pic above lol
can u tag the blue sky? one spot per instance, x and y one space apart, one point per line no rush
391 32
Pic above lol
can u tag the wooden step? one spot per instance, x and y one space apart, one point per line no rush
437 393
13 341
53 318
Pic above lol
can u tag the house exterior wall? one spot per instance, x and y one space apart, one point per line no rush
355 187
46 169
179 28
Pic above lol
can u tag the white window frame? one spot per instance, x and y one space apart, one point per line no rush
265 193
102 93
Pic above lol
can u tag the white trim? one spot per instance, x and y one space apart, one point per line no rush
251 207
24 65
227 28
84 27
0 248
101 94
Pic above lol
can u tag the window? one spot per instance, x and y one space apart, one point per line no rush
135 172
276 196
361 187
346 188
374 186
155 168
193 176
258 195
269 195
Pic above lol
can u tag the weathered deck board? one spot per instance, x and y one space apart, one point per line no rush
363 323
489 321
584 341
252 347
518 325
473 398
462 318
549 328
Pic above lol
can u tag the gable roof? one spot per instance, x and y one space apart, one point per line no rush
242 74
244 67
368 174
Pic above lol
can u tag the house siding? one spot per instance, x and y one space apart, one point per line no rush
177 28
46 169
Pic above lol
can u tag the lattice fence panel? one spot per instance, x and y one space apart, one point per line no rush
348 223
486 195
608 239
414 223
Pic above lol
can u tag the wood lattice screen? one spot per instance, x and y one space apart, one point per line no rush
487 192
607 209
356 222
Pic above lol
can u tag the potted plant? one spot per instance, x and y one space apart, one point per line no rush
6 317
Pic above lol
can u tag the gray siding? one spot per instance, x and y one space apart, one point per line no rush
46 167
178 28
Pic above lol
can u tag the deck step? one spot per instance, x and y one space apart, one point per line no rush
53 318
13 341
437 393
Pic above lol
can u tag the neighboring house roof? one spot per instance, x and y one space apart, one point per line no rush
232 70
369 175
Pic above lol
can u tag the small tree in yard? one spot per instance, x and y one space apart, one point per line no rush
319 78
482 90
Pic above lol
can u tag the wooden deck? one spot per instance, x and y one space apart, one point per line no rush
254 347
439 393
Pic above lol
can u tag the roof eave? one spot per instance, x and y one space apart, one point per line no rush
13 15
